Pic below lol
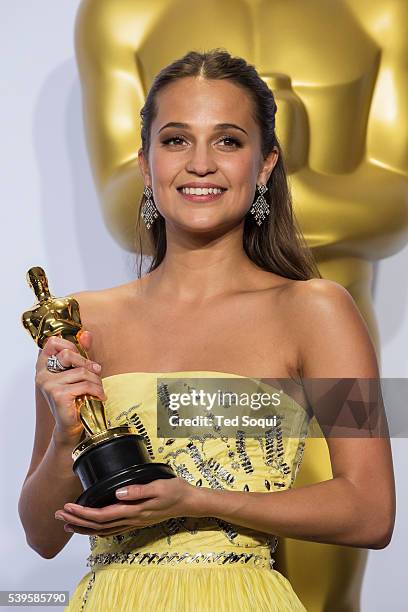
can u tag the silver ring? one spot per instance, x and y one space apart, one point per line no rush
54 364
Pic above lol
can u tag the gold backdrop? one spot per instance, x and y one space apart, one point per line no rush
338 72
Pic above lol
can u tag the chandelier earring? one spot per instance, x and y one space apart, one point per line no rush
260 208
149 210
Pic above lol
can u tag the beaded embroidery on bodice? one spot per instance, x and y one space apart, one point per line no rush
267 462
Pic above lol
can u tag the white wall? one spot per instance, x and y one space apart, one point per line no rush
50 217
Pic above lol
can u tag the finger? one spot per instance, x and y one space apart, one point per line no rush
85 338
76 375
55 344
79 522
116 513
102 516
86 387
101 533
136 492
72 359
76 382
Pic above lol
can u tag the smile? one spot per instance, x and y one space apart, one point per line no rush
201 194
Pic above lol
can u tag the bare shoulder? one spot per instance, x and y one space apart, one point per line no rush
99 310
333 338
322 293
96 304
90 304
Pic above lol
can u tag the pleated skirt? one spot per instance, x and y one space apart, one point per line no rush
120 588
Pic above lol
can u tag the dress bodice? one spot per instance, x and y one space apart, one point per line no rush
267 462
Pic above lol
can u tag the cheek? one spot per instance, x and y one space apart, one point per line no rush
240 170
164 167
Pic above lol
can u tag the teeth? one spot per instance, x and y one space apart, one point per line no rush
200 190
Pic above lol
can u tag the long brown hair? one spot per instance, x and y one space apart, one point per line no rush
278 244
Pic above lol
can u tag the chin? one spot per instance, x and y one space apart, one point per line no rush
204 226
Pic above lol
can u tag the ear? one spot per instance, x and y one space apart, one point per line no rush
268 165
144 167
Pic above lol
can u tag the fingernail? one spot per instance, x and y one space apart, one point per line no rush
71 507
67 528
97 367
122 492
59 517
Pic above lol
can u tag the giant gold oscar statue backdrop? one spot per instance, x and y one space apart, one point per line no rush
338 72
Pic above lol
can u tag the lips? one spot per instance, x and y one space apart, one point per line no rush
209 197
202 186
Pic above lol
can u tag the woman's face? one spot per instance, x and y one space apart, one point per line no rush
215 145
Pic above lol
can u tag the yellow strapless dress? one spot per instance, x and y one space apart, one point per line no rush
194 564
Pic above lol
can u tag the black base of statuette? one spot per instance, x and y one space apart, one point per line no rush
115 463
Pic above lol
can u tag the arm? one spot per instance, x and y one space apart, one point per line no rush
29 325
386 22
357 506
51 462
107 37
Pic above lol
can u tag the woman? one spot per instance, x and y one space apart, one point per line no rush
233 291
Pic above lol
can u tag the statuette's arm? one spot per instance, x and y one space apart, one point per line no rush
113 98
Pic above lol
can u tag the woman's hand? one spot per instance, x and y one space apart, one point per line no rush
62 388
144 505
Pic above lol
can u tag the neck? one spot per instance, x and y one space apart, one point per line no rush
200 267
42 295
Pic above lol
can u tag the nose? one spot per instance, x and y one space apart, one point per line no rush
201 160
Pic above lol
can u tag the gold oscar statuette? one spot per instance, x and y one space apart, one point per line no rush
105 458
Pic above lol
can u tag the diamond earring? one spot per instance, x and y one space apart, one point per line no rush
260 207
149 210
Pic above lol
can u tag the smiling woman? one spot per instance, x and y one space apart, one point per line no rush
243 153
232 291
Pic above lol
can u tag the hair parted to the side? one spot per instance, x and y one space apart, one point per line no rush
278 244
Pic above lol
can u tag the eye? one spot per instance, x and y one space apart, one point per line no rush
173 139
234 142
230 141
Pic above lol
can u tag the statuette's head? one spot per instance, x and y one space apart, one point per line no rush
37 280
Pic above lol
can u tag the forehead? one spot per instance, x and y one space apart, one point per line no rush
201 101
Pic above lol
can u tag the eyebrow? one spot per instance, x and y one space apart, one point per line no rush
219 126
